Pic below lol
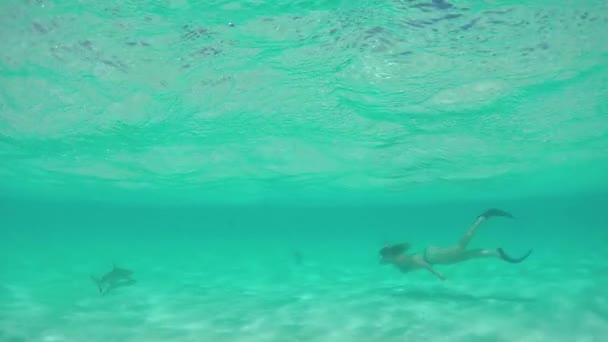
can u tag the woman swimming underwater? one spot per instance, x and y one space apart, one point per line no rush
396 254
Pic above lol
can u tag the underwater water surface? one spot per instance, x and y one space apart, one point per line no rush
246 160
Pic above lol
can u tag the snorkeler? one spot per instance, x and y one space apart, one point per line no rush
396 254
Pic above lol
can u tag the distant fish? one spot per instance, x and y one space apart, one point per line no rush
297 257
117 277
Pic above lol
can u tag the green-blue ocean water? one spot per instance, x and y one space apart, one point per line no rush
248 159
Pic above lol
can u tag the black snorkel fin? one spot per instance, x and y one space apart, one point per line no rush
504 256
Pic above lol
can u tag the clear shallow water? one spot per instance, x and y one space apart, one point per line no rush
206 157
232 274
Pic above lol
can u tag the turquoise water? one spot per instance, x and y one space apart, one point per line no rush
248 159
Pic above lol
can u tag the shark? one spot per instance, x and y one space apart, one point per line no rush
117 277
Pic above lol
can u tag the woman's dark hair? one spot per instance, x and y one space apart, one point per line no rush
394 250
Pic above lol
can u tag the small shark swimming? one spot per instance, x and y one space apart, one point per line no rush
117 277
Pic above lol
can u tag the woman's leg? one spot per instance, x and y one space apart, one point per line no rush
468 235
481 253
494 253
458 253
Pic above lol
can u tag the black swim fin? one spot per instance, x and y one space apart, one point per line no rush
510 259
495 212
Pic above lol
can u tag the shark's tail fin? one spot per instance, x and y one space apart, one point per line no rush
511 259
98 282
